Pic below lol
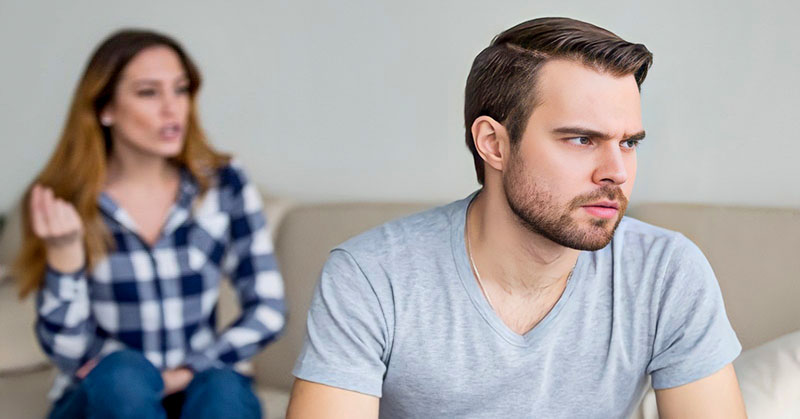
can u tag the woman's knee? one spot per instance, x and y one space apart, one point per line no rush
126 365
124 378
221 378
222 390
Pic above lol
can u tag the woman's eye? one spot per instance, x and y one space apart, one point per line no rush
182 90
146 92
579 140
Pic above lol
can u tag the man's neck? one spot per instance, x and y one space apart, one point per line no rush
508 254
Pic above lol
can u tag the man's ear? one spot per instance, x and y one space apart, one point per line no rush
491 141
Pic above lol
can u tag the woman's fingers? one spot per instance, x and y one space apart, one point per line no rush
38 222
48 211
54 219
86 368
48 204
73 218
59 220
44 207
68 217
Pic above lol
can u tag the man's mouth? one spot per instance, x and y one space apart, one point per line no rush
602 209
603 204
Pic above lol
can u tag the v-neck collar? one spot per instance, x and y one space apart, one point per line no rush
178 213
458 221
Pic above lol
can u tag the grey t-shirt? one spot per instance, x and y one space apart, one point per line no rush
398 314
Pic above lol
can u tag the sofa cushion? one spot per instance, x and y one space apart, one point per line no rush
25 395
273 402
19 350
769 377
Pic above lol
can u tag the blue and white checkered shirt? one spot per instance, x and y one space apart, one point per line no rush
161 300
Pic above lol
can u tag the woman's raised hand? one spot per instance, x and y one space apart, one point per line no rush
58 224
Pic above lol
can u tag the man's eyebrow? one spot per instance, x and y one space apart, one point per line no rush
588 132
639 136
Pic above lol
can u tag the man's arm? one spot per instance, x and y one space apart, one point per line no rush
318 401
716 396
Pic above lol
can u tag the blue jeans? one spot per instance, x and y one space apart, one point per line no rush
126 385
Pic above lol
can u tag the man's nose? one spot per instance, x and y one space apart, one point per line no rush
610 165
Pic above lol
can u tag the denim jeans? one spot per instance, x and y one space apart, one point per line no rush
126 385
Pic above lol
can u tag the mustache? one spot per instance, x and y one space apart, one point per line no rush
611 193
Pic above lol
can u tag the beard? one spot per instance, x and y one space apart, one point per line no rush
538 211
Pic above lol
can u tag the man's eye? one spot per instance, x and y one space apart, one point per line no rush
579 140
631 144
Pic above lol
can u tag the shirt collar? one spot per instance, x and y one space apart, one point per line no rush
179 212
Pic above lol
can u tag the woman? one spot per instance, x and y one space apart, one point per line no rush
129 228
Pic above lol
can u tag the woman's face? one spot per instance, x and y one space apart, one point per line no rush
151 103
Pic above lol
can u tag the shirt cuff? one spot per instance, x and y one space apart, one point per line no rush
66 286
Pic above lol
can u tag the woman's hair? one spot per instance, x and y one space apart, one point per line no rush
76 171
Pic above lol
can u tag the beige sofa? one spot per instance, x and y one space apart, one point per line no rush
755 253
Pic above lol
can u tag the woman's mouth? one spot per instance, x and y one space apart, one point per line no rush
171 132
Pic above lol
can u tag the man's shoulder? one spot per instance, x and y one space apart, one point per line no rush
638 241
653 245
639 234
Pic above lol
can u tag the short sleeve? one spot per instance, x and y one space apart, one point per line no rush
693 337
348 340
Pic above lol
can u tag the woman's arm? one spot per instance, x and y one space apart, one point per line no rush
64 325
250 265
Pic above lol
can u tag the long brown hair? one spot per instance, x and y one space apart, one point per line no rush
76 171
502 81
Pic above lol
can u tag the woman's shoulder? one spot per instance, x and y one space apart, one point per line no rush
231 175
230 191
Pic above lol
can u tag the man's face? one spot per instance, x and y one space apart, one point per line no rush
576 160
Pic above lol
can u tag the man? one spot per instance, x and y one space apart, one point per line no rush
533 297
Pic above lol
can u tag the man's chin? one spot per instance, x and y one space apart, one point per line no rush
592 243
597 233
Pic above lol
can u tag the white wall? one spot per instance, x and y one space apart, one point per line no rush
362 100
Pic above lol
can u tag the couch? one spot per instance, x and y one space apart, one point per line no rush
755 253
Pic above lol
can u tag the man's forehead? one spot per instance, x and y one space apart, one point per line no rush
568 91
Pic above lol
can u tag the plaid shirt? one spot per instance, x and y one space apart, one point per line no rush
161 300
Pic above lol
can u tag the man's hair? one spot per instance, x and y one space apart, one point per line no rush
502 81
